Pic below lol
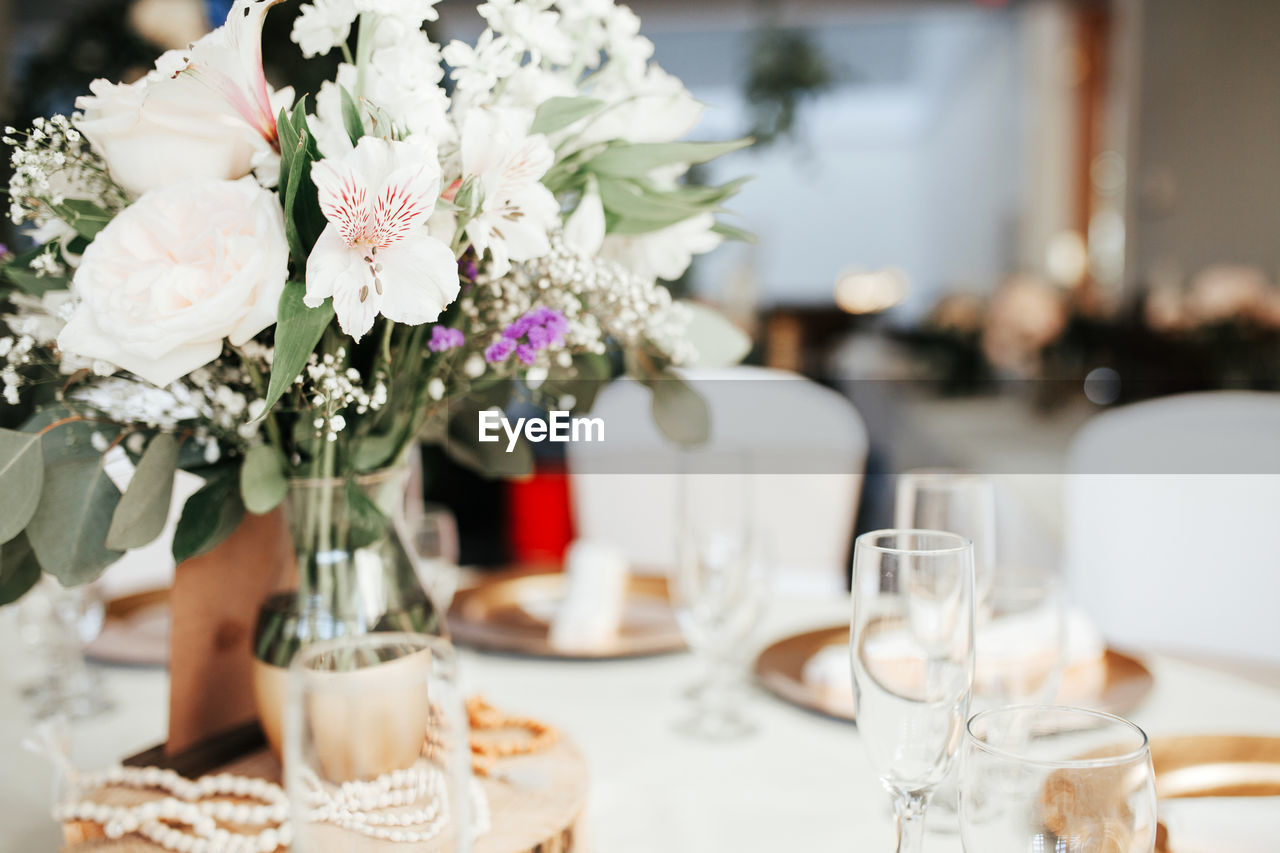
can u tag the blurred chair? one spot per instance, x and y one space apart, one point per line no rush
1171 525
805 446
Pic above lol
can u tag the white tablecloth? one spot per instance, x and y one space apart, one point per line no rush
801 783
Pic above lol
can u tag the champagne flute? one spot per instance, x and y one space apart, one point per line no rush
1040 777
377 747
911 643
719 586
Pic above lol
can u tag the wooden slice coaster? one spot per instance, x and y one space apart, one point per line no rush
535 802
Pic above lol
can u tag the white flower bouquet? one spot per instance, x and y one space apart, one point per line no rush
256 285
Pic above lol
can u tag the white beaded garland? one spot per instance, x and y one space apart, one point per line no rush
355 806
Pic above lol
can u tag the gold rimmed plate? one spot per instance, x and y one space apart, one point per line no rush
1216 766
513 613
135 630
1124 683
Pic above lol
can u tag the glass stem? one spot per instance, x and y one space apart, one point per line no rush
908 810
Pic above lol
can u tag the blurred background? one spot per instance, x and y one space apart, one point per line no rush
983 222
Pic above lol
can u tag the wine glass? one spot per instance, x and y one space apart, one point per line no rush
1068 780
377 746
719 586
55 624
958 502
433 539
911 643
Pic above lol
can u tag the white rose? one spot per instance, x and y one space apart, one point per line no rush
176 272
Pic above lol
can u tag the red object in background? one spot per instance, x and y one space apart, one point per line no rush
540 525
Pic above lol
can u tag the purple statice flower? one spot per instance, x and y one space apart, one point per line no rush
468 267
444 338
499 350
533 332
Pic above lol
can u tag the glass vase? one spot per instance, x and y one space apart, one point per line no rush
353 574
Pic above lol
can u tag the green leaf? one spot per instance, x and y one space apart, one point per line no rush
632 203
69 529
19 569
351 116
718 341
298 330
709 197
558 113
730 233
366 522
262 481
209 516
583 381
86 217
303 219
679 411
18 271
636 160
21 478
377 450
144 509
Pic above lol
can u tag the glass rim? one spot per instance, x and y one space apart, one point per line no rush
958 545
438 646
946 477
1141 751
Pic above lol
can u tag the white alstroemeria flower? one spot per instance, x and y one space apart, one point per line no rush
322 25
666 253
409 13
517 211
376 256
205 112
653 108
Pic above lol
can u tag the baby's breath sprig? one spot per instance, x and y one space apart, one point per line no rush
52 162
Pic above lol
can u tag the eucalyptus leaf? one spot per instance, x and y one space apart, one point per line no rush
69 529
731 233
19 569
366 522
631 202
718 341
298 330
582 381
209 516
679 410
558 113
636 160
351 116
21 478
263 485
142 512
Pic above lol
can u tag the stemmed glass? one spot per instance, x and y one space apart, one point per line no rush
911 643
719 586
377 746
955 501
56 623
433 539
1039 777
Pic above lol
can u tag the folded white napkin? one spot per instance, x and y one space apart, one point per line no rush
1000 645
596 588
1217 824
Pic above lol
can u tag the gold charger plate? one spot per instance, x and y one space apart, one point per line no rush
780 669
512 613
1216 766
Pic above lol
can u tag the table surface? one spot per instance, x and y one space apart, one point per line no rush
802 782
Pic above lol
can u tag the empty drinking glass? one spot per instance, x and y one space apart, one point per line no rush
56 623
1067 780
911 643
719 587
955 501
377 746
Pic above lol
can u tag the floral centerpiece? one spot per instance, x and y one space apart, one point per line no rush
281 292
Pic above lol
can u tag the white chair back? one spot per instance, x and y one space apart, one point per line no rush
1171 524
805 447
